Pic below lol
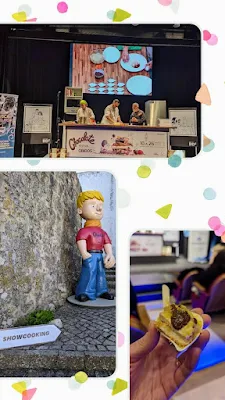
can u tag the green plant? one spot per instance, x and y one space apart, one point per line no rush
39 317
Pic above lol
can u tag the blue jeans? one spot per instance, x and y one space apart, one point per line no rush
92 280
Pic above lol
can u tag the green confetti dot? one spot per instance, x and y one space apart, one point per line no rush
110 384
144 171
81 377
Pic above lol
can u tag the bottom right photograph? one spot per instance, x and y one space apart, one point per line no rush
177 315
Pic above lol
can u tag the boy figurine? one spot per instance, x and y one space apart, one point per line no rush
91 241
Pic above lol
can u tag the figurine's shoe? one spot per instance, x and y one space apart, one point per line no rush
82 298
107 296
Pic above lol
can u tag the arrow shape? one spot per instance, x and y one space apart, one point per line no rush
27 336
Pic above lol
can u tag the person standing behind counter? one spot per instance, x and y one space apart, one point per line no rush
111 114
85 114
137 116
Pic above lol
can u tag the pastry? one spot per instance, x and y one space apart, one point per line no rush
179 325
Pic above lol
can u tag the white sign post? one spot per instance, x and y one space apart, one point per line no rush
27 336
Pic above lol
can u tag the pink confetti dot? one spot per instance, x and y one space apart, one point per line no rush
214 223
220 231
206 35
165 2
213 40
62 7
120 339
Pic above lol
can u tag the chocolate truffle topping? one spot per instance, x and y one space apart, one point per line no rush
179 317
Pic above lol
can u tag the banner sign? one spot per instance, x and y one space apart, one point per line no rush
27 336
8 115
110 143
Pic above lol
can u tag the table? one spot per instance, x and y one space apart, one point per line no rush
114 140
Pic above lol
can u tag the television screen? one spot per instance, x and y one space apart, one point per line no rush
107 69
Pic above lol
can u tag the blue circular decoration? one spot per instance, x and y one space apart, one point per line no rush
174 161
209 194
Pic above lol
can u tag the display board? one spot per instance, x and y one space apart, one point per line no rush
37 118
185 121
111 143
8 115
171 236
198 244
109 69
146 245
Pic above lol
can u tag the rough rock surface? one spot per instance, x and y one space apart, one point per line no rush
39 261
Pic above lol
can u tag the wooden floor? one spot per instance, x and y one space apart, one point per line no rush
83 68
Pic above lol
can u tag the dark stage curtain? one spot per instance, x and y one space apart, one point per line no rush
36 70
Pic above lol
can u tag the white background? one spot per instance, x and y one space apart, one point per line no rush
183 187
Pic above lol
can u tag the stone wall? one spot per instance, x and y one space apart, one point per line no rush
39 262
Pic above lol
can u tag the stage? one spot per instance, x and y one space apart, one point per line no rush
114 141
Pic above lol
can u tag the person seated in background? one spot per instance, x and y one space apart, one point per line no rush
137 116
217 268
111 114
85 114
216 250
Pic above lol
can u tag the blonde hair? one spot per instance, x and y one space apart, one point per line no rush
88 195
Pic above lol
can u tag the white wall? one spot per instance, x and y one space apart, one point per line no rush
105 183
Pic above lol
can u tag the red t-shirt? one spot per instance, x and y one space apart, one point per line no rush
95 237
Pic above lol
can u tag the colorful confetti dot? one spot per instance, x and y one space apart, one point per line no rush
174 161
206 35
165 2
214 223
118 15
220 231
208 145
33 162
119 386
121 339
144 171
110 384
73 385
81 377
164 211
203 95
209 194
25 8
175 5
62 7
20 16
28 394
213 40
19 386
123 198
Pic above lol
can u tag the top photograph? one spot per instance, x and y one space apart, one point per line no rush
99 91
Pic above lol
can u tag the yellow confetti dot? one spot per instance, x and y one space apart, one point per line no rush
20 16
19 386
81 377
144 171
164 211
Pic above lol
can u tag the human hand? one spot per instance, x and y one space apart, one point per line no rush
125 54
86 255
109 261
134 119
155 371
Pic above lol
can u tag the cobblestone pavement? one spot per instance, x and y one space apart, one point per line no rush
87 342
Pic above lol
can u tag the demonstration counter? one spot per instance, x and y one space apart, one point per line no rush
114 140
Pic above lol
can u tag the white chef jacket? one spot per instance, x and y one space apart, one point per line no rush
112 112
84 116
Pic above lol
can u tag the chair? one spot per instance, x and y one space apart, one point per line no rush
139 326
212 300
183 290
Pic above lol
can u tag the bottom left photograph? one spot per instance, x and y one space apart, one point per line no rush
57 274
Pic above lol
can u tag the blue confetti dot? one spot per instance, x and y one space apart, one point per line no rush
209 147
110 14
33 162
209 194
110 384
174 161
